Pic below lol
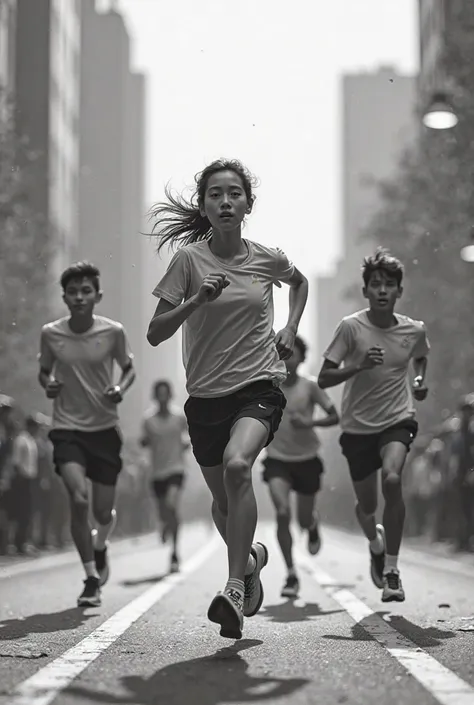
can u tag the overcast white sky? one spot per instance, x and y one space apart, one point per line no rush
259 80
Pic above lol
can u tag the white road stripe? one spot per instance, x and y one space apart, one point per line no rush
118 547
410 554
43 687
444 685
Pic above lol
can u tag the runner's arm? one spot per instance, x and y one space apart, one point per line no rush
332 374
321 399
127 377
46 362
168 318
420 365
297 299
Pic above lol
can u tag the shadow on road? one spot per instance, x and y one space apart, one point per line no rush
421 636
290 612
43 623
144 581
209 680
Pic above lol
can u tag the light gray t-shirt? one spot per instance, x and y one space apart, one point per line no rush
292 444
84 363
376 399
166 437
228 343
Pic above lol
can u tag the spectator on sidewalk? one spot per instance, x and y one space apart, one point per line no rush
6 445
24 474
43 508
463 449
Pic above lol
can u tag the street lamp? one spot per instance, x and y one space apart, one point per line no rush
467 253
440 114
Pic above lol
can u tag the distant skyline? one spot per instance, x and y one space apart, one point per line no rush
261 82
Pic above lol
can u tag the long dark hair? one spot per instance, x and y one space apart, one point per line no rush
179 222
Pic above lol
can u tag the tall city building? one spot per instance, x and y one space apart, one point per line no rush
47 85
7 44
112 180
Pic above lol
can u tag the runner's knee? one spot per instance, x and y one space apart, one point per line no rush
367 506
237 471
79 502
283 515
103 516
391 486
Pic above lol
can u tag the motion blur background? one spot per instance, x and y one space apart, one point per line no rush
103 103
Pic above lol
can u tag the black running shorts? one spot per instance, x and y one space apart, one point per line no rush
160 487
362 451
210 420
99 452
304 476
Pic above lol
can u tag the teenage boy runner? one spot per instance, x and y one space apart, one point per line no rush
76 370
378 422
292 460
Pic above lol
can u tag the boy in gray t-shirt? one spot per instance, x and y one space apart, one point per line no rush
77 357
378 421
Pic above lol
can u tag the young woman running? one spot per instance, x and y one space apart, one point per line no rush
218 286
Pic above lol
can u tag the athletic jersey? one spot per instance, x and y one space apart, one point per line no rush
84 363
230 342
292 444
376 399
166 437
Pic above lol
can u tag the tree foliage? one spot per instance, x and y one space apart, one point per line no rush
427 216
23 263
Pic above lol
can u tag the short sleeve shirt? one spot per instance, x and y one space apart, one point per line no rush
376 399
166 436
292 444
84 363
230 342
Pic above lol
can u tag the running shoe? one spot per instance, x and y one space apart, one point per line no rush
292 587
226 609
102 565
392 587
90 596
314 538
377 561
174 565
253 585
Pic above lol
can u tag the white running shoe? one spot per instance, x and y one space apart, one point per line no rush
377 561
226 609
253 585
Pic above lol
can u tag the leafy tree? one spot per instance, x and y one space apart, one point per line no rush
23 264
427 216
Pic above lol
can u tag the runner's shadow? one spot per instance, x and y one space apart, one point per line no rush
144 581
209 680
43 623
421 636
290 612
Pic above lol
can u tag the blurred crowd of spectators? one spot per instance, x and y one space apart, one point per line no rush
439 482
34 513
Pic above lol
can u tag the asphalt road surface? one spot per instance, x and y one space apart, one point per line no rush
151 642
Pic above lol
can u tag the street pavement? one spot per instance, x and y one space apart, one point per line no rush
151 642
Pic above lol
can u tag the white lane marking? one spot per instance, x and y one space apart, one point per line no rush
59 560
410 554
43 687
444 685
